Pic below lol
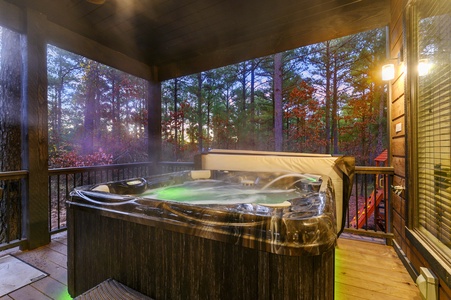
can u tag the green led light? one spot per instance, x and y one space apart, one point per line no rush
179 193
199 192
64 295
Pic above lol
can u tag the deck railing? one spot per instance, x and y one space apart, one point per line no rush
64 180
371 199
11 208
373 207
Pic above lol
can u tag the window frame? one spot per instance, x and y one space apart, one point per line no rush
439 261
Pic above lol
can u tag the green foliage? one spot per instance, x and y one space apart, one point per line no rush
333 102
93 107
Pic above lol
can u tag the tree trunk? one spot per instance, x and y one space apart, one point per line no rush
252 107
114 108
278 112
10 134
176 119
199 112
328 98
90 110
242 133
335 108
58 109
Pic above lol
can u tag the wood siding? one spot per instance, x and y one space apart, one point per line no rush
400 113
397 113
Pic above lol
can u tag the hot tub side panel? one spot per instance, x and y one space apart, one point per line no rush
169 265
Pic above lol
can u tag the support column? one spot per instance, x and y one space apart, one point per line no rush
154 121
35 131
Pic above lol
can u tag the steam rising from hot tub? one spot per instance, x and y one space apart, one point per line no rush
301 176
241 190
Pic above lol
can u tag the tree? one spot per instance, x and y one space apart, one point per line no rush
261 104
10 132
306 128
278 97
95 112
199 112
91 113
363 130
63 68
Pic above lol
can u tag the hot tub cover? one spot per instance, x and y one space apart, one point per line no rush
340 169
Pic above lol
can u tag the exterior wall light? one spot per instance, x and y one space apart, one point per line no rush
423 67
388 72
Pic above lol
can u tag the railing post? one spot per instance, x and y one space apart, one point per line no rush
389 210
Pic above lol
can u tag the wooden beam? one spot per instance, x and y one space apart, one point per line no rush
73 42
35 151
11 17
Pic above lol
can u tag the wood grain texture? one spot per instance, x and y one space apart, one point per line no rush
186 37
359 264
35 157
164 264
371 271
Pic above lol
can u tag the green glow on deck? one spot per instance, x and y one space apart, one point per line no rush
64 295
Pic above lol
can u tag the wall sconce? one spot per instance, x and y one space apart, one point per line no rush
388 72
423 67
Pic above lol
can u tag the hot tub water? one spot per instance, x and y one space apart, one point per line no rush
239 190
219 192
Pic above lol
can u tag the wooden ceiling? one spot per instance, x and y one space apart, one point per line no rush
182 37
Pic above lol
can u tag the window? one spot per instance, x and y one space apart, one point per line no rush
433 124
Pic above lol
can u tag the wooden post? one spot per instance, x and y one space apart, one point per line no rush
154 121
35 137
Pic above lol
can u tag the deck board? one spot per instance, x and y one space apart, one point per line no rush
371 271
363 270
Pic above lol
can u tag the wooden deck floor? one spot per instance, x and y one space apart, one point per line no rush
51 259
364 270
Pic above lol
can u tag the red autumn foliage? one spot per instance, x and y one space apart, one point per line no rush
65 159
306 129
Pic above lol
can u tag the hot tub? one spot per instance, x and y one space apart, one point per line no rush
212 233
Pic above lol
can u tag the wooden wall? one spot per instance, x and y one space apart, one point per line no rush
400 116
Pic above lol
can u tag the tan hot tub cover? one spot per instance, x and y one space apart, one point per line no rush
340 169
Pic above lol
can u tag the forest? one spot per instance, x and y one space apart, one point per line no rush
322 98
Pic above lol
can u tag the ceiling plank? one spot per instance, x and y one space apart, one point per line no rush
182 37
334 26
